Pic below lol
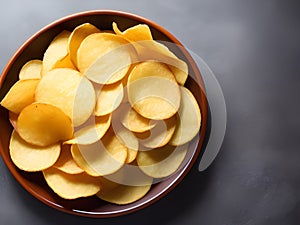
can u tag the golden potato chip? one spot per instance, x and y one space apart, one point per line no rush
66 163
104 58
160 135
121 194
43 124
31 70
153 91
56 51
138 32
77 36
130 175
153 50
189 121
128 139
64 63
92 131
66 89
20 95
71 186
132 120
32 158
161 162
101 158
109 98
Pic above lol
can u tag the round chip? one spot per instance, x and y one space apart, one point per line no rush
121 194
101 158
153 91
43 124
32 158
128 139
161 162
189 120
20 95
56 51
104 58
92 131
66 89
65 162
109 98
77 36
132 120
71 186
31 70
160 135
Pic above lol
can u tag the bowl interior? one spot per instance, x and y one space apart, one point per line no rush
34 48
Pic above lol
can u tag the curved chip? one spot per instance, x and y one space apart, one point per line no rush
77 36
161 162
101 158
20 95
71 186
132 120
43 124
56 51
121 194
128 139
92 131
189 120
104 58
66 163
66 89
138 32
160 135
31 70
153 91
32 158
109 98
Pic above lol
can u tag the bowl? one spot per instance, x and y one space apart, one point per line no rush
34 48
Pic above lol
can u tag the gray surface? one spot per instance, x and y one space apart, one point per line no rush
253 47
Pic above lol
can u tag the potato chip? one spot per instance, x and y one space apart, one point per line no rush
20 95
66 163
43 124
104 58
161 162
132 120
128 139
71 186
138 32
77 36
31 70
56 51
153 50
160 135
121 194
32 158
64 63
109 98
68 90
153 91
189 121
101 158
92 131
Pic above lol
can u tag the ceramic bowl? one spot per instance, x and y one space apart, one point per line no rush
34 48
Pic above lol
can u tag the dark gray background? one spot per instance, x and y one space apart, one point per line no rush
253 47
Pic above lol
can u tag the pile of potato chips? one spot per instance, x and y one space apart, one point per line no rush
103 113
